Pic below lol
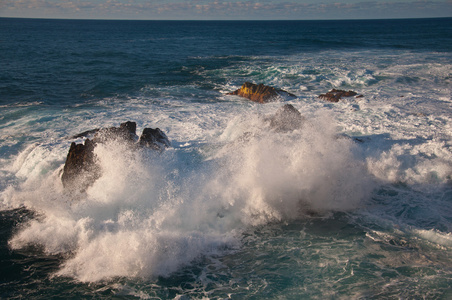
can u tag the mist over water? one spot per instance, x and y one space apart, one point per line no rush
355 203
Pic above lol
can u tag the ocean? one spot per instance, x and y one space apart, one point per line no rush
355 204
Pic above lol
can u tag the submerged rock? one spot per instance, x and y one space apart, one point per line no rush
259 92
335 95
81 168
286 118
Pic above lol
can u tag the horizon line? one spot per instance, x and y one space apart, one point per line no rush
224 20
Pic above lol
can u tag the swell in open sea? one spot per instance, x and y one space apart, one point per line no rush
357 203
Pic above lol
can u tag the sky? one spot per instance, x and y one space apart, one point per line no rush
225 9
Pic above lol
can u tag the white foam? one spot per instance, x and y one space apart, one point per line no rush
435 236
150 214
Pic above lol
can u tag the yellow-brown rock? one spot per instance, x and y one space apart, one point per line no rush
258 92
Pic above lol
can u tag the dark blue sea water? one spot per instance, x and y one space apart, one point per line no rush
355 204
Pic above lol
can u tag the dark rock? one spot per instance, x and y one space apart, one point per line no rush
259 92
125 132
154 139
286 118
80 169
335 95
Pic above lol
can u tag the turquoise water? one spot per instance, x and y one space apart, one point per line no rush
355 204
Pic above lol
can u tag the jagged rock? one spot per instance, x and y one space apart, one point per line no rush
81 168
286 118
154 139
335 95
259 92
125 132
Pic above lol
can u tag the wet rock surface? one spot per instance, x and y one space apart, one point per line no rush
154 139
80 168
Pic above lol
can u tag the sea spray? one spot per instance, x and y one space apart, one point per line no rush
149 214
413 162
129 222
274 173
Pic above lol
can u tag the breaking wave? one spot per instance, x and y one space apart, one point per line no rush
150 214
